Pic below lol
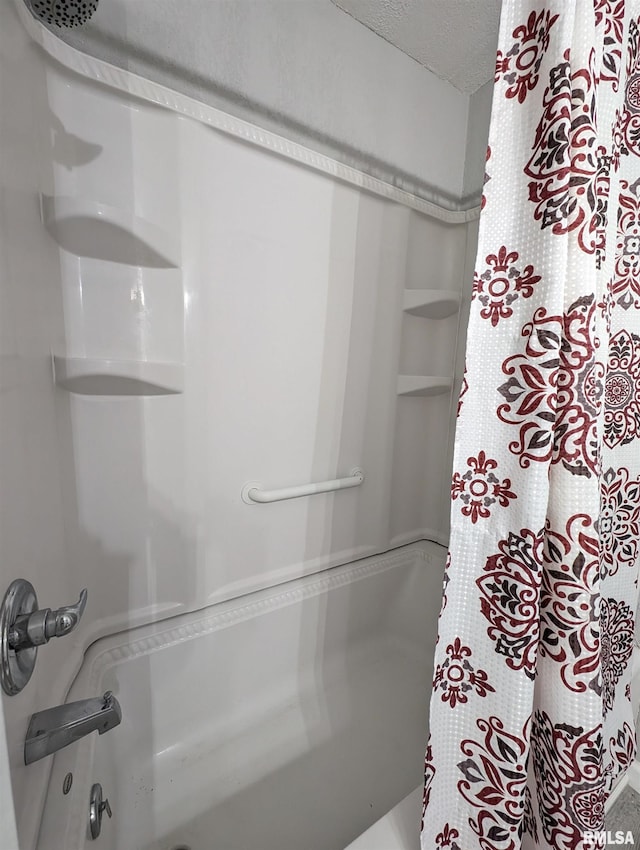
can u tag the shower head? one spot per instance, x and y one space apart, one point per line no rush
63 13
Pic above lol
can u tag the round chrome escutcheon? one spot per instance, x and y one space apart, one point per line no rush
16 667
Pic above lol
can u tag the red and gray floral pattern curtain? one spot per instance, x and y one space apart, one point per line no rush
531 720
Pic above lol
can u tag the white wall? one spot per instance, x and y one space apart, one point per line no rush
7 812
302 68
477 138
32 522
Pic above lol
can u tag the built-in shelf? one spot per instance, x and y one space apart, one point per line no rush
423 385
430 303
90 229
93 376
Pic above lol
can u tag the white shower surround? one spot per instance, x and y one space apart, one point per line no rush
322 272
323 229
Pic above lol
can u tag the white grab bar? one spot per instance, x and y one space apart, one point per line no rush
252 492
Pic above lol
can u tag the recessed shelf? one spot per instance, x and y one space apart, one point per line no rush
94 376
430 303
90 229
423 385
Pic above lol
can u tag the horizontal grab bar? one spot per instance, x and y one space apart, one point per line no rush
252 493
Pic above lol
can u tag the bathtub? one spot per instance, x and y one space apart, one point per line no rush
288 719
399 829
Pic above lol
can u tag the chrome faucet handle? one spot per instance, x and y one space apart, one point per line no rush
38 627
24 627
65 619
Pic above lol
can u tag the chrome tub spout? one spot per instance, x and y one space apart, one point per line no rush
57 727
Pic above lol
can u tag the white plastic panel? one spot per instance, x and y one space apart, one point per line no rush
291 328
397 830
287 316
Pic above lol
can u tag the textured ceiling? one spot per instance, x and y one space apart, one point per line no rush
456 39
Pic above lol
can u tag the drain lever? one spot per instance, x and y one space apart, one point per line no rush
97 806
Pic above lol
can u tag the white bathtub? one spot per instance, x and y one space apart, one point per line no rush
289 719
396 830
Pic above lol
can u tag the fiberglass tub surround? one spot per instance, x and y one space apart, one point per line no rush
237 310
301 329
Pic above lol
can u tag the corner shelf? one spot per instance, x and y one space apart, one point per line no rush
90 229
430 303
93 376
423 385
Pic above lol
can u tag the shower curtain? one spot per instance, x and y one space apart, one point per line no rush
531 720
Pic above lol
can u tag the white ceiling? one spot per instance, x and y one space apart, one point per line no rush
456 39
